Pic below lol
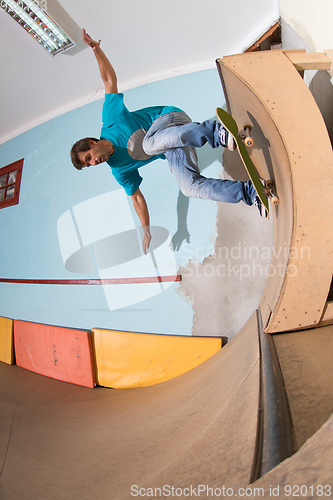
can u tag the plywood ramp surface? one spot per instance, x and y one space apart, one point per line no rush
292 147
65 441
306 360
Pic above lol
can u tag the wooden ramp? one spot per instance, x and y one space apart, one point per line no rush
291 147
65 441
196 433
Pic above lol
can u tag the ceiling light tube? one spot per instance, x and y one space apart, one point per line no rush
34 19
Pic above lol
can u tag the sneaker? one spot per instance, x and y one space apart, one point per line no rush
260 207
226 139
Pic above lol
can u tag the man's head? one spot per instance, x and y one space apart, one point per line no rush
90 151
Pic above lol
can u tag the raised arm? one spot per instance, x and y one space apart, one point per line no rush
107 72
141 209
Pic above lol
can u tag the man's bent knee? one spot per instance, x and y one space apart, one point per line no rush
189 191
146 146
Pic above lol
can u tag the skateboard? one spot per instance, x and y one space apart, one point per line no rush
243 139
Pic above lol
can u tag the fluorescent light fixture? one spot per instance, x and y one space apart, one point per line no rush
32 16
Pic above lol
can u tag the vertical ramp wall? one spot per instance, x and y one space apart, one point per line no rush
265 90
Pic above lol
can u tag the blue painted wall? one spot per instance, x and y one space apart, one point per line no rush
51 186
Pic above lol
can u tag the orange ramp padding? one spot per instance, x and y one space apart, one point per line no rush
6 341
60 353
126 360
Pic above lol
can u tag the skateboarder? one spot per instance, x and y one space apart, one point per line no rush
130 140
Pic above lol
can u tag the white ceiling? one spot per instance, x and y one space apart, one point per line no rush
146 40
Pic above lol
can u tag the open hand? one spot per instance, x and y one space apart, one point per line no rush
146 242
88 40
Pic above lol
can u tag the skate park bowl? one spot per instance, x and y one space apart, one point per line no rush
210 419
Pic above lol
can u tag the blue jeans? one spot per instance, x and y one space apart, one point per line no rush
176 136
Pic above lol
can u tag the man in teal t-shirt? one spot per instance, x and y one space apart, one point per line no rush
126 131
132 139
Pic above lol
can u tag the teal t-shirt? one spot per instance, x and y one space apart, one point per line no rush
126 130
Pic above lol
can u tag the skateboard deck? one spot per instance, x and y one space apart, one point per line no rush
229 123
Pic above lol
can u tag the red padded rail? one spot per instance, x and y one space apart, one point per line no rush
60 353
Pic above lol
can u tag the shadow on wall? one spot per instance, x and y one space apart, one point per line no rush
233 169
322 91
239 229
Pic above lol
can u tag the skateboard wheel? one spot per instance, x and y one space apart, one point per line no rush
275 200
248 141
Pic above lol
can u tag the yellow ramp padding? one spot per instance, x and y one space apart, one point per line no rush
126 360
6 341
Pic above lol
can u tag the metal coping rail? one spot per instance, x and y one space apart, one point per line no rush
274 441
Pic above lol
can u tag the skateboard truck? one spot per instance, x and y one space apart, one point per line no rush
245 135
270 192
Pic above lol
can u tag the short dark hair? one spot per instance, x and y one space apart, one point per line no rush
79 147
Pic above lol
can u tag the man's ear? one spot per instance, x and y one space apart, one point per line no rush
93 142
